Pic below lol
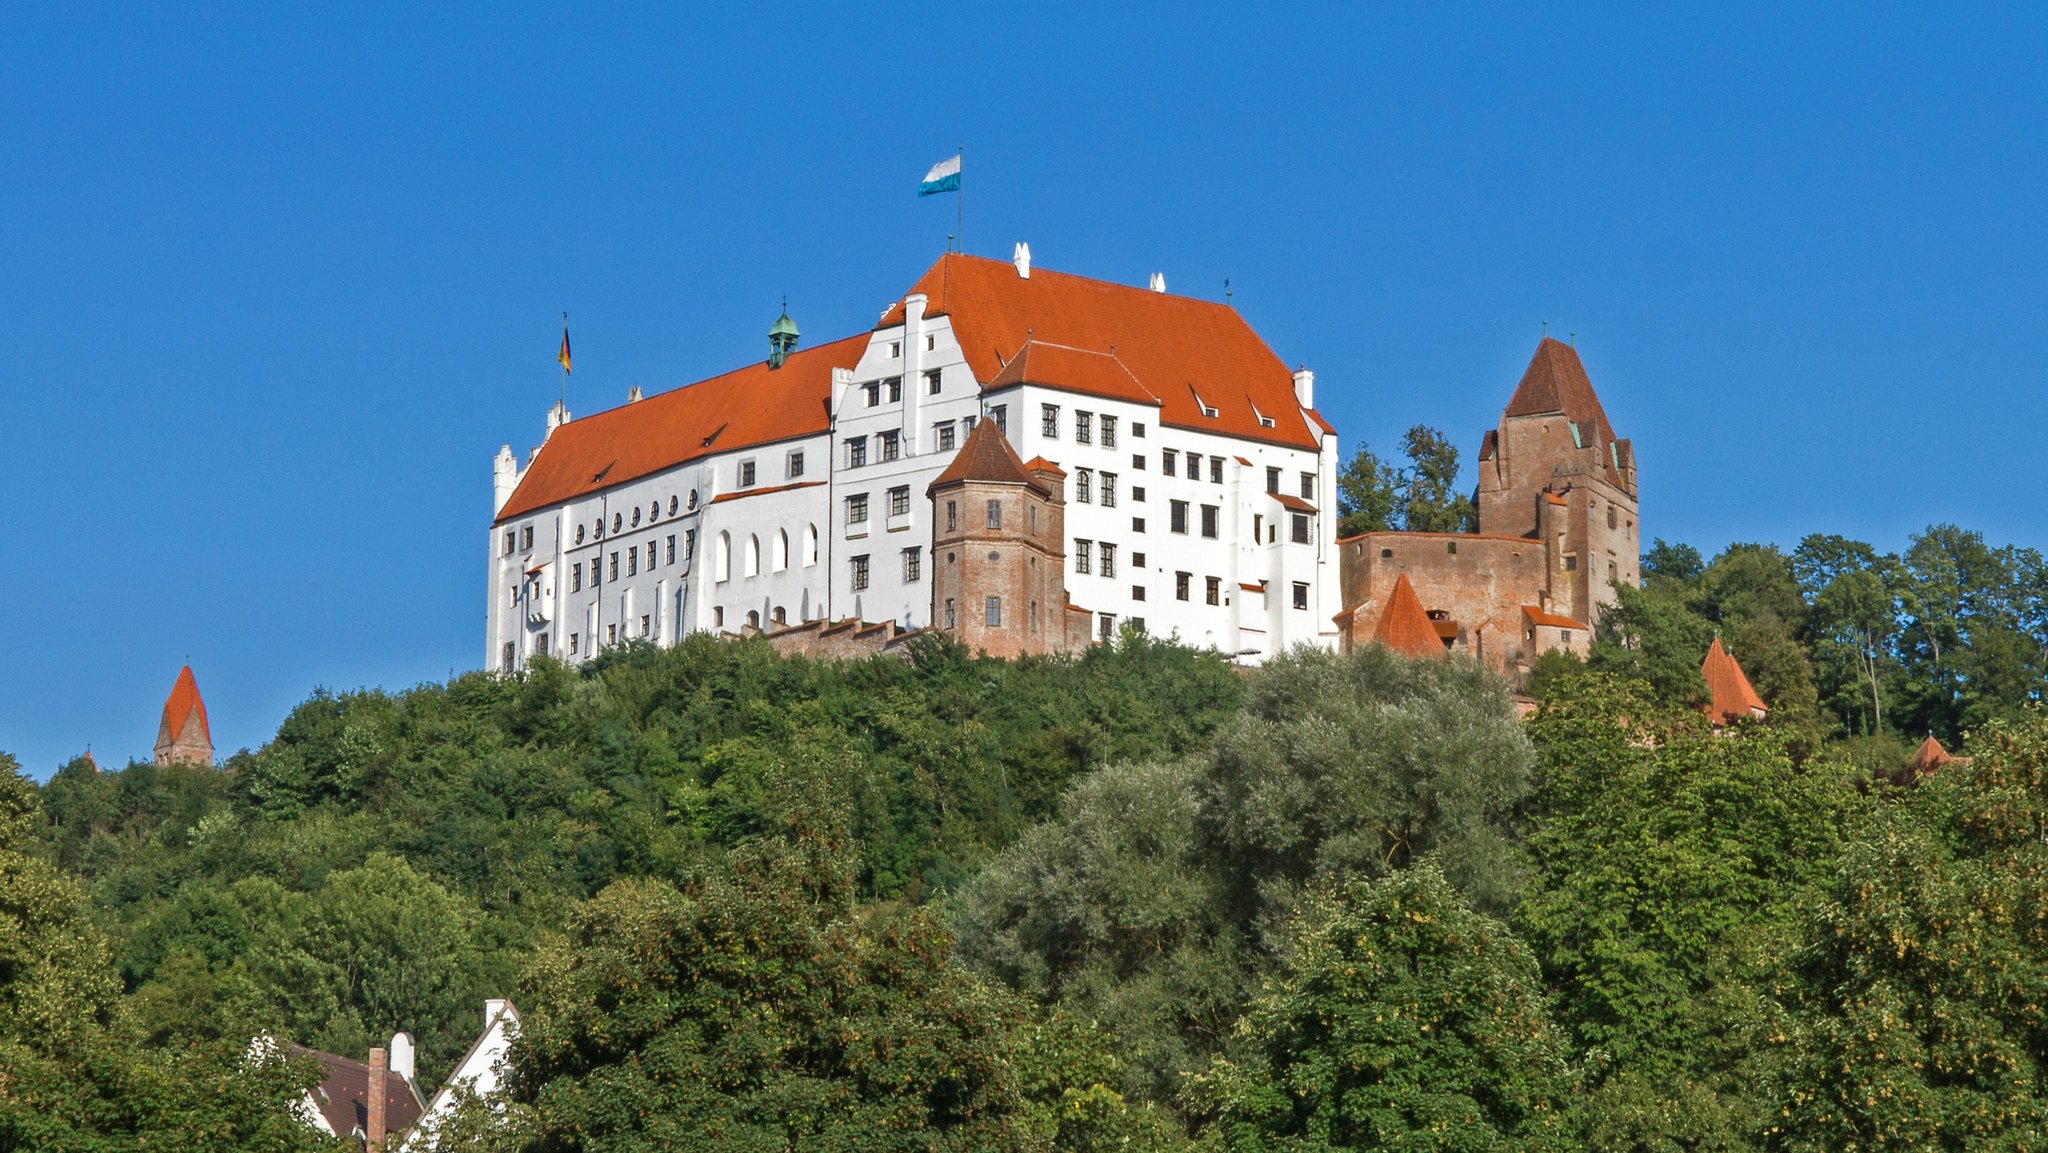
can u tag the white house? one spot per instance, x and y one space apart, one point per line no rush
1200 480
479 1072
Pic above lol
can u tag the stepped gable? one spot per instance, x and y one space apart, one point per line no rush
1404 626
985 456
1184 351
183 733
1073 370
1730 696
1929 757
749 406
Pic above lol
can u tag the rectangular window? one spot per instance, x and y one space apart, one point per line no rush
611 634
895 386
1049 421
746 474
1169 461
942 435
859 566
508 657
1137 592
857 509
995 514
1108 431
952 516
689 543
952 613
1571 562
899 501
1180 585
1177 519
1084 486
1084 556
526 537
576 577
873 389
575 642
1138 493
669 554
1137 462
511 542
594 578
645 621
1138 429
1194 466
613 565
891 445
1214 593
1137 524
650 556
1215 470
1209 519
1105 555
795 468
1300 594
1108 490
856 451
1138 559
1001 415
993 609
632 561
913 565
1308 486
1299 528
1108 625
1272 479
1084 427
931 382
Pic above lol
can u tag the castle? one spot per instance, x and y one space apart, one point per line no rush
1029 460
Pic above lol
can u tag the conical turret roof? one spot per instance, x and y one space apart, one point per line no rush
183 708
1729 695
1404 625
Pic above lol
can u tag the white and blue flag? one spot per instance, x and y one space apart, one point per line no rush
944 177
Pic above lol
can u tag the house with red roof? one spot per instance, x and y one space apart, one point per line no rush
1556 532
1195 480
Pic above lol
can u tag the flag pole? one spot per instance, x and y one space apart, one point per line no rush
960 198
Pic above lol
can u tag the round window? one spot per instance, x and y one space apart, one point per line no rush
693 498
673 504
654 510
636 516
579 534
995 556
618 521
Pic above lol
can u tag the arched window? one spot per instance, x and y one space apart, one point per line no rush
781 616
721 558
810 545
753 556
753 619
779 559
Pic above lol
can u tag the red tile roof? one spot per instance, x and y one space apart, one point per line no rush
1291 502
986 456
721 498
182 707
1404 627
749 406
1548 619
1072 370
1729 694
1176 347
1556 382
1040 464
1929 757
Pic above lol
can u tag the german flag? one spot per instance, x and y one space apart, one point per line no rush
563 356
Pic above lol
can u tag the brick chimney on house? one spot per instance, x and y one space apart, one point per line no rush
373 1128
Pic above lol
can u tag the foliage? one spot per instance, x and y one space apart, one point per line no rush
1368 494
1430 500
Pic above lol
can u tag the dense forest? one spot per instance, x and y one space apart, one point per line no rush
1135 900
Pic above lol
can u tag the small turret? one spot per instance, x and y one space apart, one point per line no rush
781 339
504 477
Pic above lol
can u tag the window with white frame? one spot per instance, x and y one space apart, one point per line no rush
942 436
890 444
1084 485
1084 427
1084 556
1107 427
913 565
1105 558
857 509
856 451
859 568
899 501
1049 421
1108 490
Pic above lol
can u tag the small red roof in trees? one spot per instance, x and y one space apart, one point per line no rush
1729 693
1404 626
1929 757
986 456
183 707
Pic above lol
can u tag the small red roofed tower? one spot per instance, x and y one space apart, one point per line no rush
1404 625
1928 757
1729 695
183 736
999 551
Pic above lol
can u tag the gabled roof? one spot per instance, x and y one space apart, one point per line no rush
342 1096
1730 696
1929 757
1404 626
1072 370
1538 616
749 406
1176 347
182 708
986 456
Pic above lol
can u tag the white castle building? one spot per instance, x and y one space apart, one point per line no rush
1199 480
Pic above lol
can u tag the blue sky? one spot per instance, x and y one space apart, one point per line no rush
279 279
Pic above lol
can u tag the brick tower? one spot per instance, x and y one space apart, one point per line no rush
998 551
183 737
1554 471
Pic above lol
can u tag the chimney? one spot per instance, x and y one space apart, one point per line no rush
1305 387
504 477
633 395
1022 260
373 1129
402 1056
1158 282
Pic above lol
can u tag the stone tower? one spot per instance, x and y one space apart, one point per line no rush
183 737
999 551
1554 471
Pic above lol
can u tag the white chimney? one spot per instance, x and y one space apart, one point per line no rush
1022 260
633 395
1305 387
1159 282
558 416
402 1055
504 477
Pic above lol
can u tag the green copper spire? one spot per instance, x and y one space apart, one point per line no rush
781 338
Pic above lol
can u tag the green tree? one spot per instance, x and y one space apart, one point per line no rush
1430 500
1368 494
1403 1020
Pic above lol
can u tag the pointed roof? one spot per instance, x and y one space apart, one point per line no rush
1185 352
1929 757
1404 626
986 456
1729 694
1073 370
182 707
1556 382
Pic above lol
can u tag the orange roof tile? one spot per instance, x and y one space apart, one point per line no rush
1556 382
1072 370
1040 464
183 706
1404 627
1549 619
749 406
1251 588
1553 498
986 456
723 497
1174 346
1929 757
1729 693
1291 502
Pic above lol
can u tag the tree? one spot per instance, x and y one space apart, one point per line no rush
1431 502
1852 627
1403 1020
1368 494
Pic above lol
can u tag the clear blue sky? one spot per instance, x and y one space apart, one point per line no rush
278 279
